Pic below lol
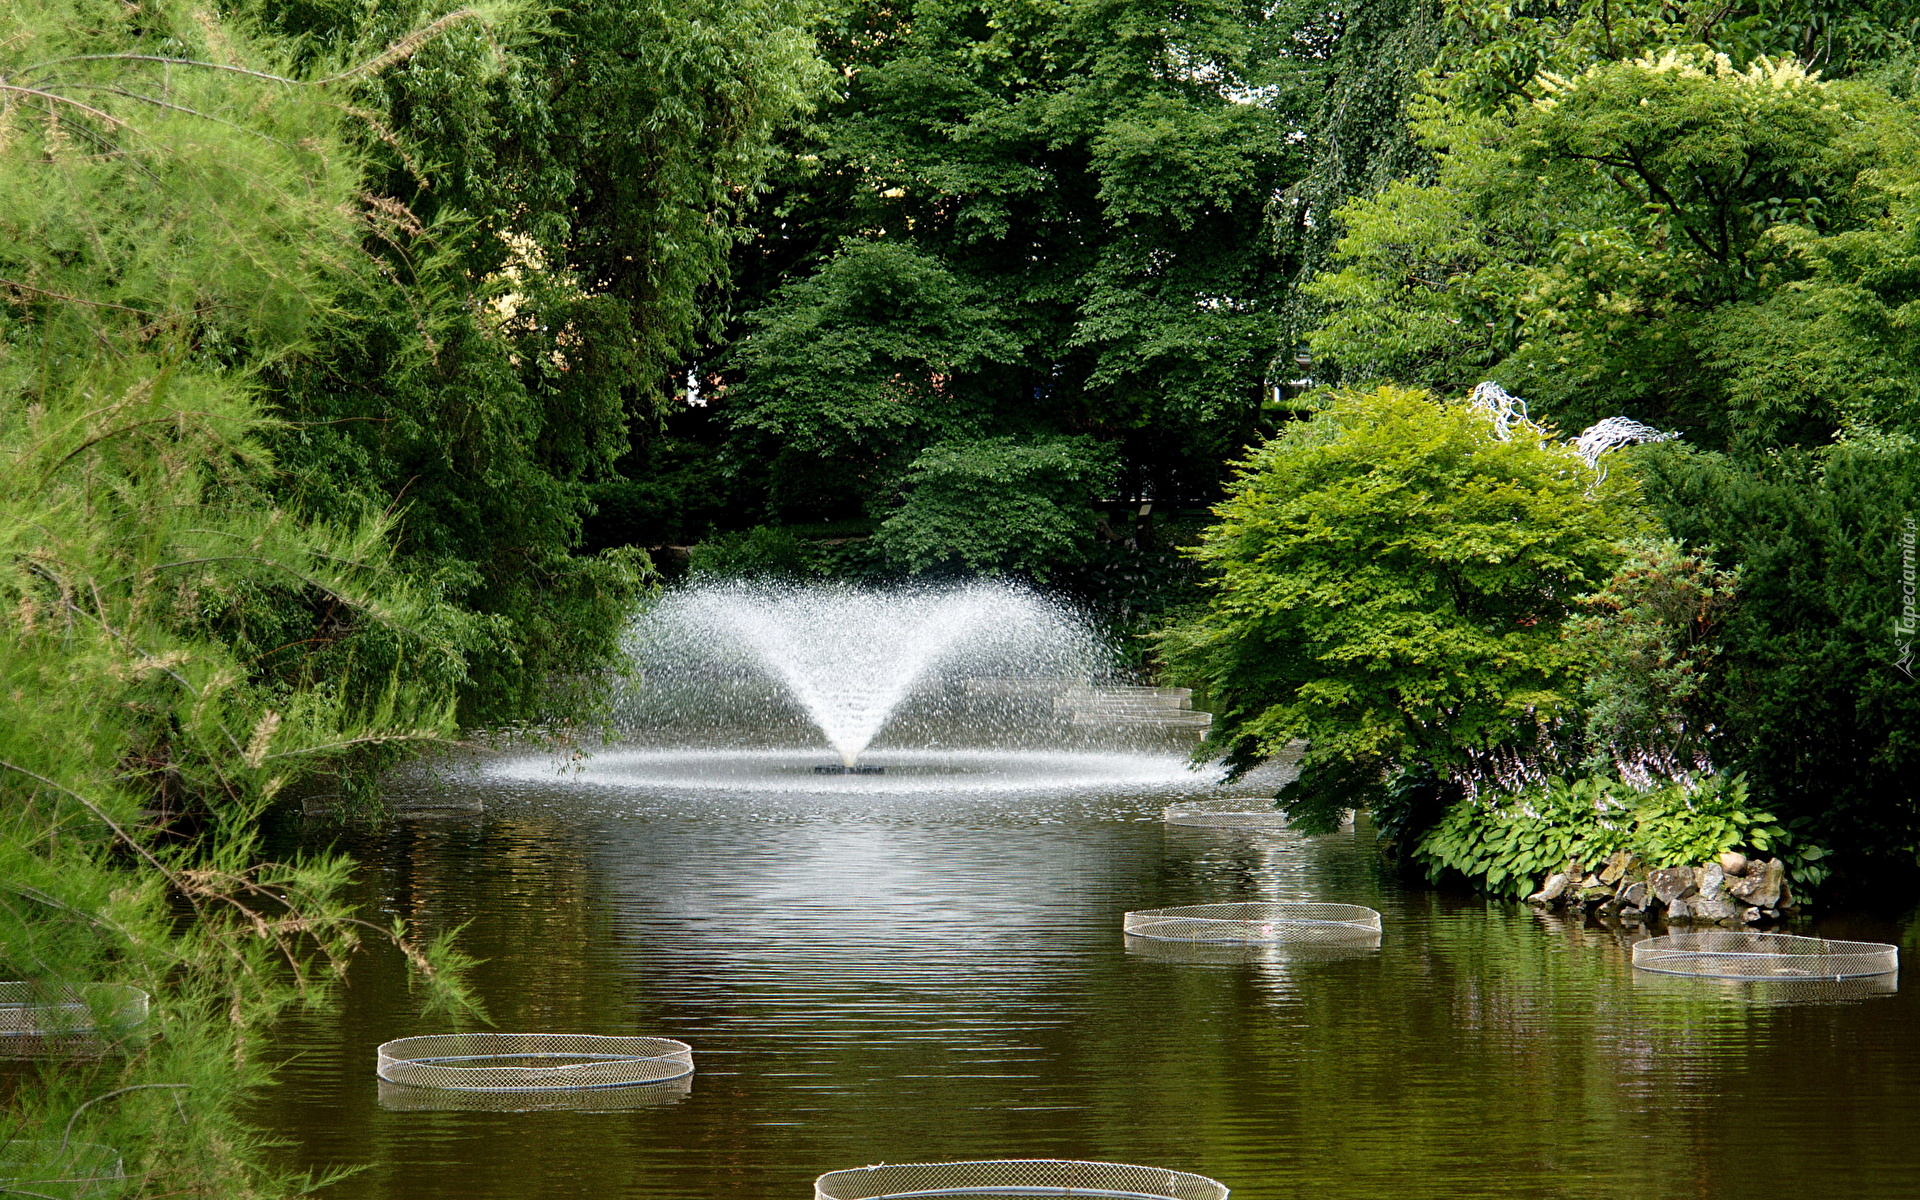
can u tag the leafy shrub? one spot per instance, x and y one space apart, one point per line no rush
762 551
1390 583
1650 650
997 505
1506 845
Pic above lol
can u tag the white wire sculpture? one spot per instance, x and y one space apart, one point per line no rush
1506 411
1611 434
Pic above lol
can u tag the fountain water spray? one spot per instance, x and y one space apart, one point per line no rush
850 656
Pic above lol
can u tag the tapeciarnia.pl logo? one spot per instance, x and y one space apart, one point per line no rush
1905 623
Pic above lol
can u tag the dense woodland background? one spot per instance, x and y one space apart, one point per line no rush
366 363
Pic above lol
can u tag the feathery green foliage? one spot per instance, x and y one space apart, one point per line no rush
175 649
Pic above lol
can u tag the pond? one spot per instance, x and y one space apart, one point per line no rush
911 975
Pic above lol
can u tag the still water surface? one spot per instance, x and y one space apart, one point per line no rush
871 977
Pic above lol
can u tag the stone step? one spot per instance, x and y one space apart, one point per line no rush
1125 692
1186 718
1019 686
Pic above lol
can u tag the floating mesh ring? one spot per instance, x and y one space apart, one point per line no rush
1225 814
1255 922
61 1170
1730 954
1015 1177
29 1009
531 1062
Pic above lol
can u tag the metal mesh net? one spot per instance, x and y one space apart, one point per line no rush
1255 922
523 1062
1274 954
1015 1177
398 1097
62 1170
39 1010
1768 993
1234 814
1728 954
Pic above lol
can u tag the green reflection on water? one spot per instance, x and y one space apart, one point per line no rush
930 982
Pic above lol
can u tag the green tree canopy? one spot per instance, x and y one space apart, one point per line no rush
993 504
1025 222
1390 582
551 201
1650 237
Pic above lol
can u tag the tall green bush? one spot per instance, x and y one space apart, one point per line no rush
552 198
1810 701
175 648
1390 581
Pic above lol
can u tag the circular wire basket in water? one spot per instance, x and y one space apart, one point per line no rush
1015 1177
39 1010
531 1062
62 1170
1225 814
1733 954
1278 955
1255 922
1770 992
398 1097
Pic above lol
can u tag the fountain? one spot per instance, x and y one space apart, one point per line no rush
849 657
978 687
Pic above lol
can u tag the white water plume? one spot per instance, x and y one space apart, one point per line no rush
850 656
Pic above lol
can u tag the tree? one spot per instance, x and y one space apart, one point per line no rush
993 505
1013 225
1628 241
1660 210
1390 580
176 649
554 203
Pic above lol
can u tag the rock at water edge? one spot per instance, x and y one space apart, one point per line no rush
1618 864
1762 885
1712 910
1671 884
1551 890
1708 880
